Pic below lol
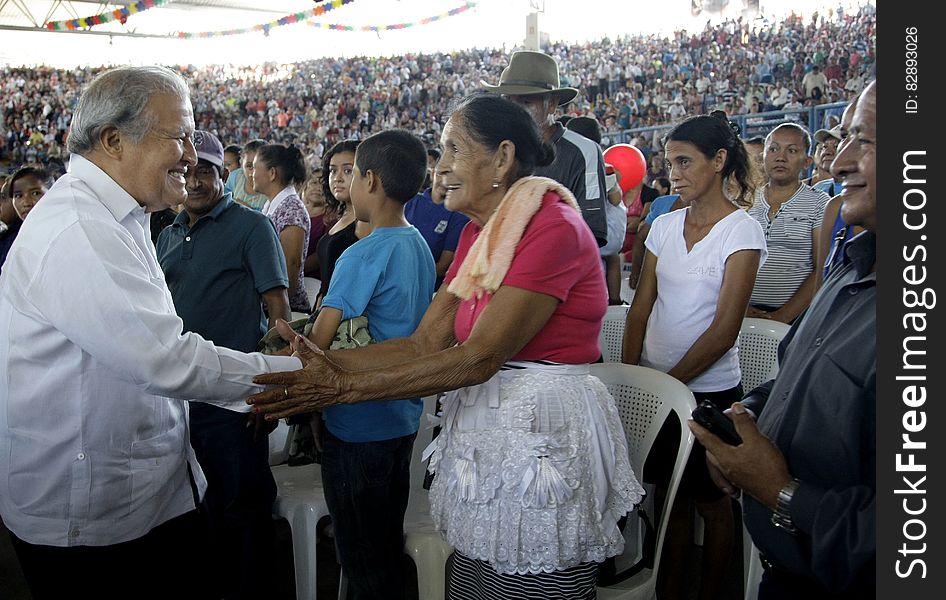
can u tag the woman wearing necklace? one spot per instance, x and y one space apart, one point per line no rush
531 464
698 272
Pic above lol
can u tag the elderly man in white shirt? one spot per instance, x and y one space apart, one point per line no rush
98 481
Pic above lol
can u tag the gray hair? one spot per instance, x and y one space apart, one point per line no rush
118 98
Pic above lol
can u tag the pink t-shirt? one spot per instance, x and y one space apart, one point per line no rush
558 256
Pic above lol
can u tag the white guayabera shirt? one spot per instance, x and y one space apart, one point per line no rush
93 371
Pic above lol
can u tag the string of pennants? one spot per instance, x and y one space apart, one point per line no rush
120 15
337 27
326 6
304 16
292 19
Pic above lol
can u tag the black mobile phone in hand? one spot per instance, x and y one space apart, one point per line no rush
709 416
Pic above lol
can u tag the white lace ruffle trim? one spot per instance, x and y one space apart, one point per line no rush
532 471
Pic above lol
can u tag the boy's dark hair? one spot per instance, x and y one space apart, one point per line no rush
234 149
398 158
434 153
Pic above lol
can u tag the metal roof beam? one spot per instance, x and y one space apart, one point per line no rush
26 12
87 32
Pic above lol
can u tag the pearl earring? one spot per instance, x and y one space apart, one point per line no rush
495 185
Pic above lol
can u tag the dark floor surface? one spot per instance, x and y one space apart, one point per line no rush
13 587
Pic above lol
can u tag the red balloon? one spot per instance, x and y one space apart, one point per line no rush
629 161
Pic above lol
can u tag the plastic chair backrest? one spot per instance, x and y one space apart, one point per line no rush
279 444
611 338
645 398
758 350
312 287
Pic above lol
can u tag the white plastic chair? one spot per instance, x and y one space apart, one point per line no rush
279 444
758 350
752 566
645 398
422 542
627 292
300 500
758 360
312 287
611 338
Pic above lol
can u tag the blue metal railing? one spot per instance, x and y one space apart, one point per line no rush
813 117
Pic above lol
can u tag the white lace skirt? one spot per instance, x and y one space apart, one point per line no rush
532 470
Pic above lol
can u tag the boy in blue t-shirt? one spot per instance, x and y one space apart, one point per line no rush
366 447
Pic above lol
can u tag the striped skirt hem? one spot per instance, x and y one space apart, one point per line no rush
472 579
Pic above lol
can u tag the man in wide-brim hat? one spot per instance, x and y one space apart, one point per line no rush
532 73
532 80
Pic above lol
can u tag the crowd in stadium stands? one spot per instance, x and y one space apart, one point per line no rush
630 82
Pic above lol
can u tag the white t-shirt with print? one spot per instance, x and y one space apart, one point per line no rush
688 287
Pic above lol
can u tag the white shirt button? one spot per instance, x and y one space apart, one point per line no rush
81 456
74 532
187 239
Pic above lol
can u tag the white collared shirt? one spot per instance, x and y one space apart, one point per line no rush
269 209
93 371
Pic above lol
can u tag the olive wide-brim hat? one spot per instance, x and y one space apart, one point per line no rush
531 73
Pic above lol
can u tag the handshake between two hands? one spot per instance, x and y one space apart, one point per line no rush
290 392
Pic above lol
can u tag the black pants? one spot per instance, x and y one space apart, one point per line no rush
696 483
238 503
781 585
366 488
167 562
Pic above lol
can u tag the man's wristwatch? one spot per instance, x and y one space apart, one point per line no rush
782 516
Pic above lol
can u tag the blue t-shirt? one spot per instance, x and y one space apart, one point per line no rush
661 205
389 277
440 227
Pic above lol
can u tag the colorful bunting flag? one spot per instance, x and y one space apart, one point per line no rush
116 15
318 11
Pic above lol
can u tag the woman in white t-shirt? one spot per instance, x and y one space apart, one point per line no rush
698 274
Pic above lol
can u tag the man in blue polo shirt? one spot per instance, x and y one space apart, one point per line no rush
222 261
440 227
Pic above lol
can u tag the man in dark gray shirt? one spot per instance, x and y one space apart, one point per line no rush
221 261
808 469
532 80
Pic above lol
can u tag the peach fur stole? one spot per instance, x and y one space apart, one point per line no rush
490 256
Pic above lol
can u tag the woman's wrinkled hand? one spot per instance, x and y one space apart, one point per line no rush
314 387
